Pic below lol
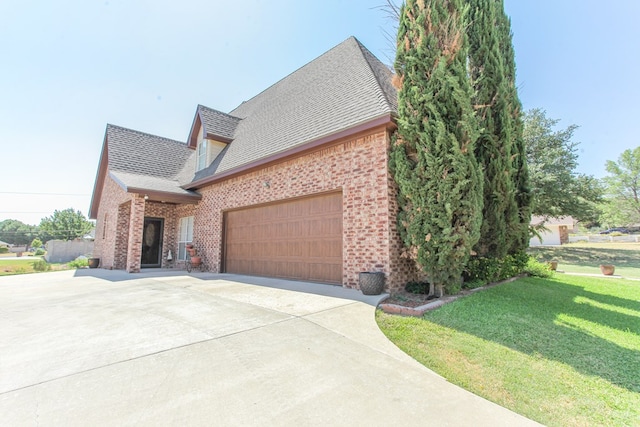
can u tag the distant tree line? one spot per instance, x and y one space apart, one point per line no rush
66 224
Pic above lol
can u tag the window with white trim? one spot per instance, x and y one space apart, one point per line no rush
202 155
185 236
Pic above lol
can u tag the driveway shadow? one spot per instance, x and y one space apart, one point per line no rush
329 290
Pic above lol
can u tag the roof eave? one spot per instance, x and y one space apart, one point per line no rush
192 140
387 119
218 138
157 195
100 175
165 197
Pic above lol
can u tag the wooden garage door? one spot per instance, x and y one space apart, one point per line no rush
298 239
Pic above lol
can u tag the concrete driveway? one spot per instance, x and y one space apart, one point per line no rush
97 347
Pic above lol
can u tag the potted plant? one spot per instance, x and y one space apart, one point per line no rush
553 264
191 250
607 269
93 262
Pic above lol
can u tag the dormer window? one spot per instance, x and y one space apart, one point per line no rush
202 154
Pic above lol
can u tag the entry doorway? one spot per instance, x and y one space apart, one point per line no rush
152 243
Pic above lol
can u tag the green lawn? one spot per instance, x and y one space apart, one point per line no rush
10 267
562 351
583 257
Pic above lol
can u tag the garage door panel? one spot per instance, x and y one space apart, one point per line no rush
298 239
297 249
318 271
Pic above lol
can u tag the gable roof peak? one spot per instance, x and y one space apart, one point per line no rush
216 125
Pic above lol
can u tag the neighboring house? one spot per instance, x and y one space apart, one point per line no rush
293 183
91 235
556 233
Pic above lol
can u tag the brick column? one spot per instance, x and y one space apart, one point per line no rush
136 224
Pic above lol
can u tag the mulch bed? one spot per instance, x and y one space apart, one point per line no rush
407 304
408 299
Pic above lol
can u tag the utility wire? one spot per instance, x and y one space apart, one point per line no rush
43 194
22 212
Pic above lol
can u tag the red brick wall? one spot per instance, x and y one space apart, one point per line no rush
122 236
109 227
358 168
119 227
564 234
136 227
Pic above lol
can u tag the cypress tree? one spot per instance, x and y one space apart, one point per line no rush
520 176
432 156
495 142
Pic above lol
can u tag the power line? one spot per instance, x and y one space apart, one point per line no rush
43 194
24 212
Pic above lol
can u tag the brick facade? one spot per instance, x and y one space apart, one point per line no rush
119 227
564 234
357 167
112 226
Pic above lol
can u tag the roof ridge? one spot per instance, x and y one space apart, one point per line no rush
293 72
217 111
368 56
109 125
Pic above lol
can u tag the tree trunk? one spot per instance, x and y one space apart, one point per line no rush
439 291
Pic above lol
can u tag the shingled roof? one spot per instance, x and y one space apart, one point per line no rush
216 124
140 162
343 88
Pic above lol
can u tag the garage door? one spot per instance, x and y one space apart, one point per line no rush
297 239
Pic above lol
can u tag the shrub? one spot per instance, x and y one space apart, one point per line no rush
487 270
36 243
454 287
39 252
41 265
473 284
79 263
538 269
417 287
4 250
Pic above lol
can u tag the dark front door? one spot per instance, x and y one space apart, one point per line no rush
152 242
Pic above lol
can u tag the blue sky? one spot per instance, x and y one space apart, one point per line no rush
70 67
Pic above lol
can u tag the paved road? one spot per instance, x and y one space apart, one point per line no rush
97 347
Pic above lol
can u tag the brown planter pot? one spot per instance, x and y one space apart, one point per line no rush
607 269
196 260
94 262
553 265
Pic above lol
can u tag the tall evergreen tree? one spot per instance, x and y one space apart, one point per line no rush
432 158
495 142
520 230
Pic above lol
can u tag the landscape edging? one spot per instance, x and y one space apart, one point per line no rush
420 310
